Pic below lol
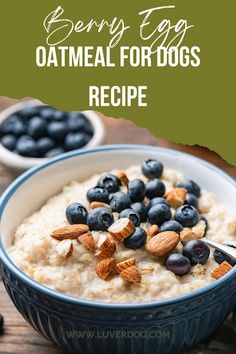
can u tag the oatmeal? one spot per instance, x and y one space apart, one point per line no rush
125 261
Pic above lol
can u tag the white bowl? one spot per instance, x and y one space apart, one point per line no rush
19 163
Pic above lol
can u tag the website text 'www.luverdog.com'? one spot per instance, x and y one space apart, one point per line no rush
74 334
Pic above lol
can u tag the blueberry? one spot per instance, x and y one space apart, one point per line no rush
44 145
19 128
196 251
28 112
178 264
119 201
158 214
132 215
57 130
187 215
157 200
36 127
141 209
7 127
77 122
26 146
137 239
155 188
47 113
152 168
9 141
110 182
100 219
76 214
191 199
58 115
98 194
76 141
54 152
136 190
171 225
221 257
191 186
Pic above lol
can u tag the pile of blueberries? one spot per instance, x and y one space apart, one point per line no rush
44 131
157 211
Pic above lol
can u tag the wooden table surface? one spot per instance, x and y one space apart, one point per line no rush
18 336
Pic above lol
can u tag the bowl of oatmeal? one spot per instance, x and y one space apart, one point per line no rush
114 244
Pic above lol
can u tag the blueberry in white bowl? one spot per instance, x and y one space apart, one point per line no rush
53 131
158 214
76 213
9 141
56 151
132 215
191 199
178 264
37 128
98 194
152 168
100 219
119 201
137 239
44 145
191 186
187 215
197 251
141 209
171 225
136 190
155 188
157 200
110 182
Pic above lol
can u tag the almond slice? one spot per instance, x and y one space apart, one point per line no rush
176 197
221 270
106 247
187 235
162 243
131 275
69 232
199 229
94 205
152 231
125 264
123 178
121 229
194 233
87 241
105 267
65 248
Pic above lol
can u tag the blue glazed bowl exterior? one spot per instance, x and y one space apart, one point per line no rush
155 328
84 326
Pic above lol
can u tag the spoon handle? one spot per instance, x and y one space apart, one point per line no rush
230 251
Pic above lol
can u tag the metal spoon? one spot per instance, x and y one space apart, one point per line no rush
229 251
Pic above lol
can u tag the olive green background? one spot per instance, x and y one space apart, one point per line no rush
187 105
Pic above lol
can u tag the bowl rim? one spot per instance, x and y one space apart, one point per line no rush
15 161
4 257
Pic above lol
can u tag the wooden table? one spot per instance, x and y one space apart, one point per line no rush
18 336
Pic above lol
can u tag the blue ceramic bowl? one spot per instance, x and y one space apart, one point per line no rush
85 326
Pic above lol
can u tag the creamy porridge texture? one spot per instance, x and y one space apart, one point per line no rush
34 250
